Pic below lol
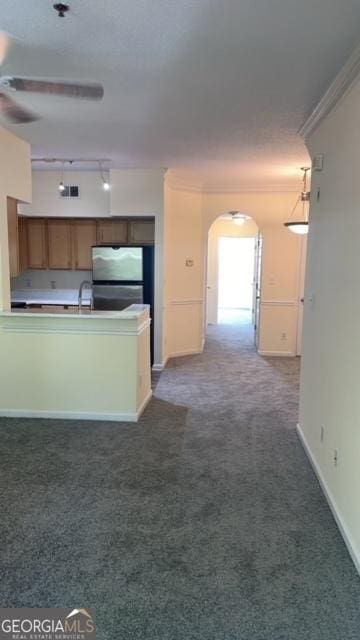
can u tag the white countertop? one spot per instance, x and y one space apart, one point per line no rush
130 313
50 296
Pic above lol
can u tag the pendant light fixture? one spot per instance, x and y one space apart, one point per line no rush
106 184
238 218
296 225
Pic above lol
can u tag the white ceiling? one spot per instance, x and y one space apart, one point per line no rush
215 89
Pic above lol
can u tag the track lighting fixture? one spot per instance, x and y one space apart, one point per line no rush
61 186
106 184
61 183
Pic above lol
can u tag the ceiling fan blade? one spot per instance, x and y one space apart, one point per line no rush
4 46
14 112
68 89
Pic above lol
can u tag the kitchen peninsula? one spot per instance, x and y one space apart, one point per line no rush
75 364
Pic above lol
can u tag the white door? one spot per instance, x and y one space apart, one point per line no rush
212 281
303 248
257 290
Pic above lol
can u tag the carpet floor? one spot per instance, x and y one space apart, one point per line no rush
204 521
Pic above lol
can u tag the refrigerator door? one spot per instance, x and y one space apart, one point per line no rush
113 264
115 297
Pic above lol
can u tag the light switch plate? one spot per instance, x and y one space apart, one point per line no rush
318 162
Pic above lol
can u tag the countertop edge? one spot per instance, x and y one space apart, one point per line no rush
127 314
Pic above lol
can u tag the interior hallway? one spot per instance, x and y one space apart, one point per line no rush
203 521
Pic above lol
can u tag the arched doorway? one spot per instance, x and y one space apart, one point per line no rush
233 271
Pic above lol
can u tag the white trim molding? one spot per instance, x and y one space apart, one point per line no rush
77 415
189 352
277 354
186 301
331 501
180 184
143 405
73 330
284 187
337 90
278 303
160 366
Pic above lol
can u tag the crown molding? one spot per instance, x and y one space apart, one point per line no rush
179 184
251 188
340 86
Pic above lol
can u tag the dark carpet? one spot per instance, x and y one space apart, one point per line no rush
203 521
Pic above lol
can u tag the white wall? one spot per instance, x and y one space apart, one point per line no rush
227 228
280 262
93 201
189 215
330 376
15 181
184 280
50 278
68 366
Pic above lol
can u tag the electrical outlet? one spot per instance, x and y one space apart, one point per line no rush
283 336
322 434
336 457
28 284
53 284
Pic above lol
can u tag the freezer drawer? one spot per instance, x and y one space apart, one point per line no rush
116 297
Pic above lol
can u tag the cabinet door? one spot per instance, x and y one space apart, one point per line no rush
141 231
36 242
84 236
112 231
13 237
59 244
23 244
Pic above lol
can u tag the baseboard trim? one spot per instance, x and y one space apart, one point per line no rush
73 415
190 352
143 405
331 501
277 354
161 366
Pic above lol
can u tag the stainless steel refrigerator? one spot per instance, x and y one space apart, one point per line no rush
122 276
118 277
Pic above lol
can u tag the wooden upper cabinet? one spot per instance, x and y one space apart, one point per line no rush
23 244
36 243
65 243
111 232
141 232
84 236
59 244
13 237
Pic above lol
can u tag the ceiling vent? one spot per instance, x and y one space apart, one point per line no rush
70 191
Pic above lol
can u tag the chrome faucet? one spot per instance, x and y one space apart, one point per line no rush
85 283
